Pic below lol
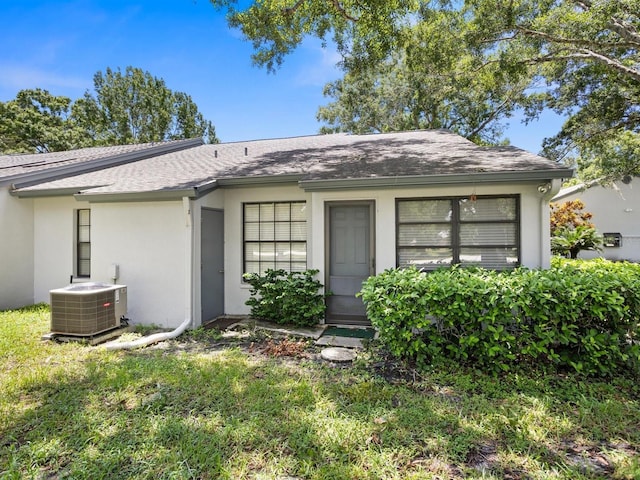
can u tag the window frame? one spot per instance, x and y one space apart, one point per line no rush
80 244
290 263
455 244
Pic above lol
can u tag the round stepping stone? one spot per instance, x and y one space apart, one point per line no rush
338 354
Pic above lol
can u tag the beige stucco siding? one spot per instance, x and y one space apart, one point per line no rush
149 241
16 251
615 210
534 221
237 292
156 245
54 243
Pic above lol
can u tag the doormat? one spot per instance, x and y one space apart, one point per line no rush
349 332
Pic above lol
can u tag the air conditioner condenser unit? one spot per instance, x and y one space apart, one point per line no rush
85 309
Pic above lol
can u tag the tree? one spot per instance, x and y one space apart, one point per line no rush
584 55
436 81
136 107
277 27
572 241
572 230
569 214
37 121
133 107
588 52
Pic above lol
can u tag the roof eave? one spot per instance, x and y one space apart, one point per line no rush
49 192
260 180
149 196
194 192
428 180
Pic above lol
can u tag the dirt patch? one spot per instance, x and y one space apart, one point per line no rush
221 323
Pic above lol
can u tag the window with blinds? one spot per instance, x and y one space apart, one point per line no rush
482 231
275 236
83 242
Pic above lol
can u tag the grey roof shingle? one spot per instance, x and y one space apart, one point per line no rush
24 165
319 157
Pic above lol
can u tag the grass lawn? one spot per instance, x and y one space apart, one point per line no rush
199 408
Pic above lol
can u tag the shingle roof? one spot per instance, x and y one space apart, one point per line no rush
24 165
311 158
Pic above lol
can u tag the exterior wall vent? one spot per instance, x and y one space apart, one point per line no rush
86 309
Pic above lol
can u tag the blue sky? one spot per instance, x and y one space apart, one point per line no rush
59 46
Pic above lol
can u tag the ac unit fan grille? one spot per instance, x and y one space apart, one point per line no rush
85 314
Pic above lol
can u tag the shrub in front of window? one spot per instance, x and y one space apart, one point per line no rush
578 315
293 298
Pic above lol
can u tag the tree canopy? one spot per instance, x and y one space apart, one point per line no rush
37 121
582 58
436 81
127 107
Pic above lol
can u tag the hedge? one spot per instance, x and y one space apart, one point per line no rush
580 315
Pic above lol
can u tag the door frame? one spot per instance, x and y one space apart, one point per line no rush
327 235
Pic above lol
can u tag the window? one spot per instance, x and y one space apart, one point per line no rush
483 231
275 236
83 243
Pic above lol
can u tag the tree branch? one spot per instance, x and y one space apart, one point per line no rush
342 11
294 8
492 116
626 31
584 53
622 28
336 4
575 41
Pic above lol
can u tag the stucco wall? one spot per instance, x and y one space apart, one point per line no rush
155 244
616 210
534 214
237 292
150 243
16 251
54 240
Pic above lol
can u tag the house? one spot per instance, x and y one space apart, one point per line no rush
182 226
616 215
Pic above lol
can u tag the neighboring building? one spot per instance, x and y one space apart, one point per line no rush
183 226
616 216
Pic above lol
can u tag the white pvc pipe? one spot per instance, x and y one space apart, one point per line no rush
145 341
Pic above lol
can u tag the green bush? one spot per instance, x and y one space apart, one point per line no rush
286 298
581 315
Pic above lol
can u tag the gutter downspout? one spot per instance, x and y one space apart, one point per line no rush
554 187
188 257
